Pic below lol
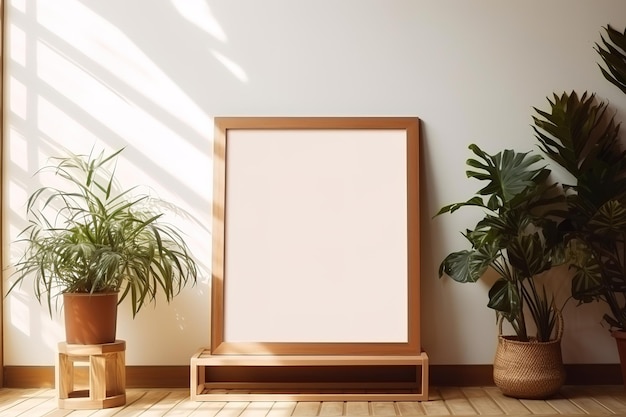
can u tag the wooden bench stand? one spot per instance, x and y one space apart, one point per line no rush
203 361
107 375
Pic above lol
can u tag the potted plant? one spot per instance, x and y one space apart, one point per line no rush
518 240
97 247
579 135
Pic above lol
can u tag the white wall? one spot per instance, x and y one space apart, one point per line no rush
151 75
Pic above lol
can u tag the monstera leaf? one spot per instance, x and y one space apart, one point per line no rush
509 238
512 177
504 297
451 208
509 174
466 265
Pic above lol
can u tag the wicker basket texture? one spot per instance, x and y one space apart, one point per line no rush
531 370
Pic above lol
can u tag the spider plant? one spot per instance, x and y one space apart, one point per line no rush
86 238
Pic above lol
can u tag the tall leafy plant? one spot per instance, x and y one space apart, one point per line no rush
516 238
613 54
579 134
85 237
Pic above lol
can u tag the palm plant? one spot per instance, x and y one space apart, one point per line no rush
89 239
515 238
614 56
578 134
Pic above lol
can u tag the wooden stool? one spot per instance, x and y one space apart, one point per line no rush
107 375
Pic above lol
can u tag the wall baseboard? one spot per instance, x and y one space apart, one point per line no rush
136 376
477 375
178 376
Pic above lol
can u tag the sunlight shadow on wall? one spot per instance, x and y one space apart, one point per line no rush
80 75
105 45
232 66
198 13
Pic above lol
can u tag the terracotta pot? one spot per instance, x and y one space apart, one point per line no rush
532 370
90 319
620 340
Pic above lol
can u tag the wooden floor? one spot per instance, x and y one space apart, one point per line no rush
572 401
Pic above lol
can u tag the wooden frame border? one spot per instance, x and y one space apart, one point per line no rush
3 50
222 127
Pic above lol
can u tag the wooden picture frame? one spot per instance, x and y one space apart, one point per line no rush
294 179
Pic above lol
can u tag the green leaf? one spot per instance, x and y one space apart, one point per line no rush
528 254
89 236
577 135
465 265
505 298
451 208
614 57
509 173
587 282
509 237
610 219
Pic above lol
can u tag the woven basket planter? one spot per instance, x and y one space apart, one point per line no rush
532 370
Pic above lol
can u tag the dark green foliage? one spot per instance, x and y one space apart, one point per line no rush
578 134
613 53
517 238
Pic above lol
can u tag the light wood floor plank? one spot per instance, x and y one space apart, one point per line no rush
208 409
307 408
282 409
614 406
591 406
165 404
62 413
331 408
183 408
143 403
614 400
565 406
357 408
482 402
132 396
25 406
232 409
43 408
12 398
257 409
575 401
580 397
383 408
409 408
457 402
539 407
436 408
509 406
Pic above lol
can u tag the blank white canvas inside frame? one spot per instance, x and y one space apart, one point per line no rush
316 237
